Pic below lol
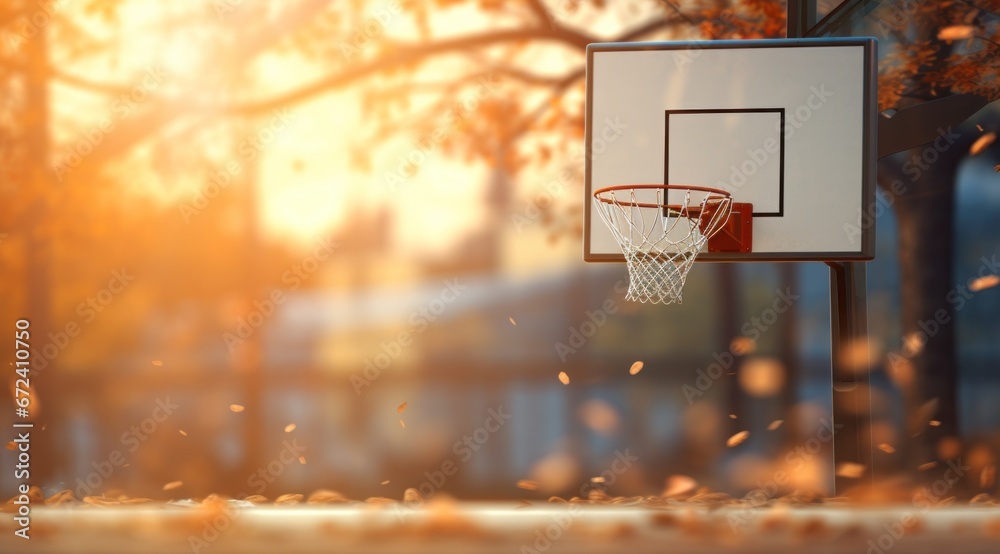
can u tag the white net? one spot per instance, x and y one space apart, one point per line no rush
660 241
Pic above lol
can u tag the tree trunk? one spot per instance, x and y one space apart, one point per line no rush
38 266
926 215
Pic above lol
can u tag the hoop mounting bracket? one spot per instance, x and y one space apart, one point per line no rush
737 234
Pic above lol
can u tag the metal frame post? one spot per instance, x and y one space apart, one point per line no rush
848 330
851 370
801 16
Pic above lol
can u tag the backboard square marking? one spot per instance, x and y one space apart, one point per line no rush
751 154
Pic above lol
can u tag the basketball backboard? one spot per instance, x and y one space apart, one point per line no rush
786 125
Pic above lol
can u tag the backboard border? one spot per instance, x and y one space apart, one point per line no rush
869 142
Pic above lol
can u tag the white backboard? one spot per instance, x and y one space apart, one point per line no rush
785 124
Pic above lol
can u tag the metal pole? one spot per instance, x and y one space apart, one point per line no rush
848 330
851 370
801 16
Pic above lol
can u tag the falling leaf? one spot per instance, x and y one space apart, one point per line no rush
401 408
732 416
983 283
173 485
934 423
563 378
982 143
921 418
528 485
302 460
956 32
741 346
913 343
11 445
737 438
556 471
980 127
386 482
775 424
762 377
289 428
599 416
678 485
949 448
858 353
850 470
157 363
988 476
996 168
401 424
928 465
236 408
887 448
636 368
597 479
181 431
512 322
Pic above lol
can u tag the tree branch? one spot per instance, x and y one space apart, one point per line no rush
402 56
162 112
653 26
526 123
407 54
679 13
540 11
88 85
525 76
414 52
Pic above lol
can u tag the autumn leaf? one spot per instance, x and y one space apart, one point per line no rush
956 32
982 143
737 439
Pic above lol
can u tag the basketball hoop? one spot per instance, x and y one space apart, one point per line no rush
661 240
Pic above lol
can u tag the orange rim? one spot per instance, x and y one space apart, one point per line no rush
673 209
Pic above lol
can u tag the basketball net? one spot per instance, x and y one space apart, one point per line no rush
660 241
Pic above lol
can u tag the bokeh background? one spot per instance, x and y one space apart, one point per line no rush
247 232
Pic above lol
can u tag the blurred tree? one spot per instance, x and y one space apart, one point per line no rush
935 50
69 195
25 144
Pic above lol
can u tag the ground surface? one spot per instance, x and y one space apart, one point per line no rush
222 527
